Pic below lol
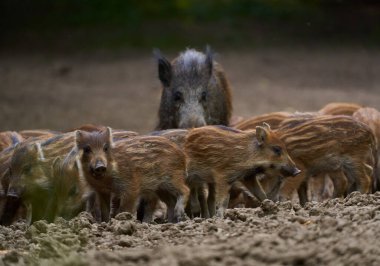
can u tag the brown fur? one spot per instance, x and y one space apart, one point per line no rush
335 145
178 136
38 133
371 117
273 119
339 109
195 91
58 146
9 138
220 156
31 171
148 167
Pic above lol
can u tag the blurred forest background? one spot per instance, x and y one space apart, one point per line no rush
64 63
114 24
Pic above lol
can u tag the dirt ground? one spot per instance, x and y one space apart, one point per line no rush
335 232
122 90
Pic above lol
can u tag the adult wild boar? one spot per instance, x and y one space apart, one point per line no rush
195 91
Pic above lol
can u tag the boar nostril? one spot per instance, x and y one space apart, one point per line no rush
100 169
296 171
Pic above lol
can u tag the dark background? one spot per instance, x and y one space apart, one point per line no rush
94 24
68 62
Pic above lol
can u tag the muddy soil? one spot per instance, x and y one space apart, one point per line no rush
334 232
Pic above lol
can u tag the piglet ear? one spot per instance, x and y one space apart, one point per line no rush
78 137
261 135
108 134
164 68
209 60
266 125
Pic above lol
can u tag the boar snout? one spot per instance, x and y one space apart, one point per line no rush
290 171
99 169
15 191
296 171
192 121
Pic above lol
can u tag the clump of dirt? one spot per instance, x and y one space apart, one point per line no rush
337 231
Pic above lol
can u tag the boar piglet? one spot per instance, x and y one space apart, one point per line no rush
335 145
220 156
29 184
150 168
22 181
195 91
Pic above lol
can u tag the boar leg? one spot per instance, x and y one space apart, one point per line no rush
188 211
128 202
302 193
182 199
12 204
175 196
360 180
211 201
194 202
257 190
365 183
3 201
202 198
150 206
340 183
114 205
93 206
222 196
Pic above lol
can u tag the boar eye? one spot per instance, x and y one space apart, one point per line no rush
106 148
277 150
204 96
177 96
87 149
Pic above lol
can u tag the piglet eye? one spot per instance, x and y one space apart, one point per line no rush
106 148
204 96
87 149
177 96
277 150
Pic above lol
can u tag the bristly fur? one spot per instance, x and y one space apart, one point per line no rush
328 145
220 156
189 77
40 151
339 109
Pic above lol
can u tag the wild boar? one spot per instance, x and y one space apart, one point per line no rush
29 171
220 156
146 167
195 91
335 145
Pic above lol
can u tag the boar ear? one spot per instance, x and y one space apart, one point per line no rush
78 137
261 135
209 60
164 68
266 125
109 137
